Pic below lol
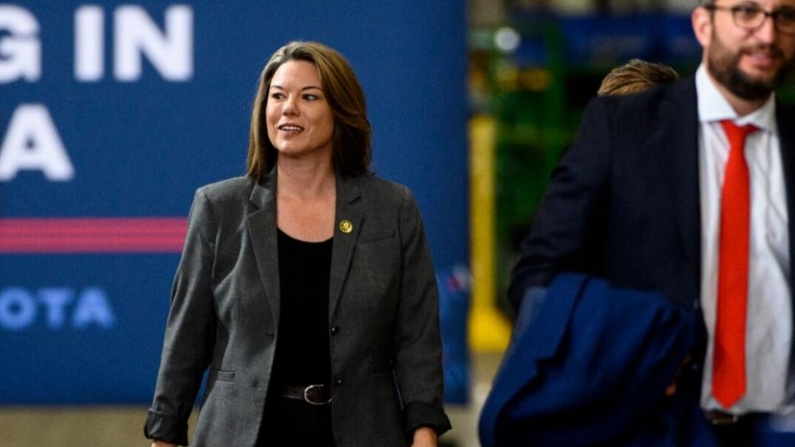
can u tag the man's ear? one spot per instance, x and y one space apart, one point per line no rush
702 25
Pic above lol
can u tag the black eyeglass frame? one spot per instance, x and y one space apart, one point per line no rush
776 16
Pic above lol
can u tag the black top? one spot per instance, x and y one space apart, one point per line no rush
302 351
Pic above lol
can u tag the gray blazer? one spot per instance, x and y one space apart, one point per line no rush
385 351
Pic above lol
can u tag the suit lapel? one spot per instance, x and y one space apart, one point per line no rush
261 226
684 152
349 217
786 134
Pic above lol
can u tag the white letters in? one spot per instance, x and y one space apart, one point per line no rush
55 301
171 53
17 309
89 43
22 309
32 143
20 52
93 308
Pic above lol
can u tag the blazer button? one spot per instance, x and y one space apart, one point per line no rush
334 329
338 381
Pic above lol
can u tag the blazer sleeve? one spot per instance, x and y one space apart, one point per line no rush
189 337
569 226
417 341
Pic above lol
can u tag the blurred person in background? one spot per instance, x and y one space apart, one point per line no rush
518 408
305 287
687 189
635 76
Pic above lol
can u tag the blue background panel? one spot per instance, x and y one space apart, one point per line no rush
140 148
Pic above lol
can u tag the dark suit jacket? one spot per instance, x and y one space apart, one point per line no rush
385 355
589 366
623 205
624 202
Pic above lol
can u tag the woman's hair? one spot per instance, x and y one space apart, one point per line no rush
351 147
634 76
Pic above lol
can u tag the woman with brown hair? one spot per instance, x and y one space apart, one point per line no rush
306 287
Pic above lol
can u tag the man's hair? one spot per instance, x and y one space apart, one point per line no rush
634 76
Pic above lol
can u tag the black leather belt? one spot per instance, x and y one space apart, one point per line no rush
318 394
716 417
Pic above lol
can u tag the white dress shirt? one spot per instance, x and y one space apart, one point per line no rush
769 386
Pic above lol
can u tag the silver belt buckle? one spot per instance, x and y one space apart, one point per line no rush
312 391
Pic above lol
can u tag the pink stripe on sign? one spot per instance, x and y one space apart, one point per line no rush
92 235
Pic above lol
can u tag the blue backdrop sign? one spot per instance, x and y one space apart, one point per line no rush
113 113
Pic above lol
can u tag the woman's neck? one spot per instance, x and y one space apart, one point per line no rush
306 197
303 178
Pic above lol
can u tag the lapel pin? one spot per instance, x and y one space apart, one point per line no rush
346 226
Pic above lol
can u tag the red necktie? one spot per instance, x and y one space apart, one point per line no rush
728 373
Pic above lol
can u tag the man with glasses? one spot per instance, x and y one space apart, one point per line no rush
689 189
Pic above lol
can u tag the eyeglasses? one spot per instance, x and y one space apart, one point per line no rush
752 16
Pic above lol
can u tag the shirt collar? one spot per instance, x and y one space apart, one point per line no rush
712 106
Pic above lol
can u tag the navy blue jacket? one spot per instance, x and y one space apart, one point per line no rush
589 366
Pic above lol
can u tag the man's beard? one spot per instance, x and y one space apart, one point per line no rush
724 66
